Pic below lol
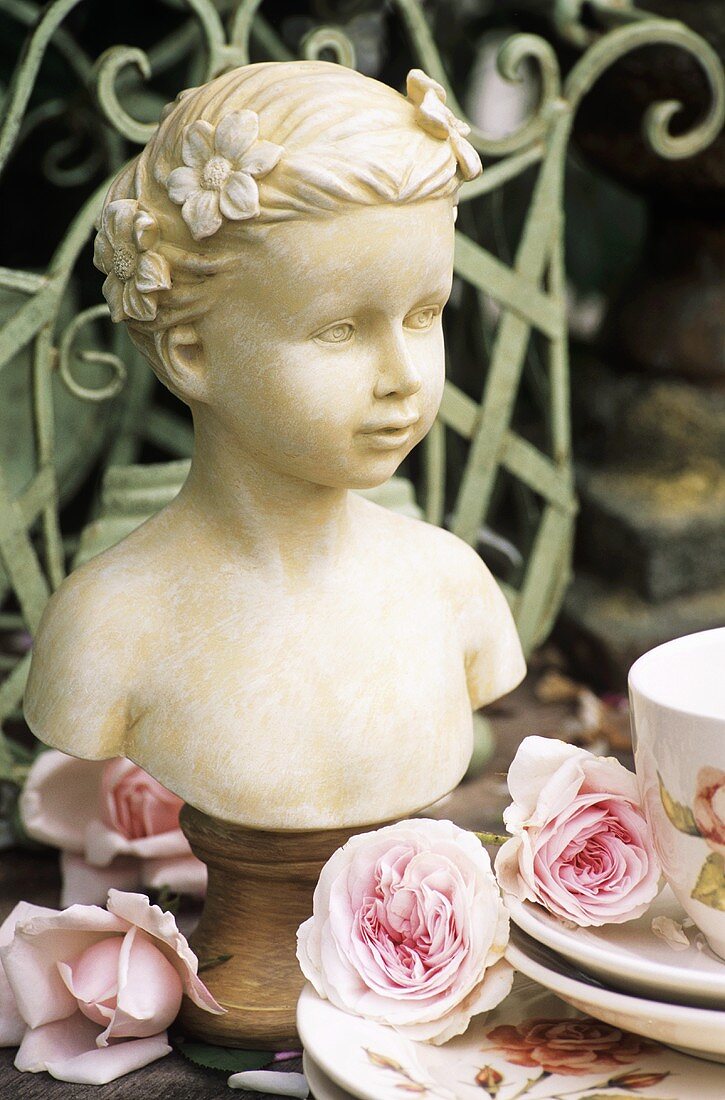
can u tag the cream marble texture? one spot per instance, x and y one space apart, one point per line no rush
272 647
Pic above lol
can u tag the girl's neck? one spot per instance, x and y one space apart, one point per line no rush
280 522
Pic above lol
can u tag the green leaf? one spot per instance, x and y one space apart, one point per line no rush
710 886
225 1059
680 816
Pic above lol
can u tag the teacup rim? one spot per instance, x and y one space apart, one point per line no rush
641 668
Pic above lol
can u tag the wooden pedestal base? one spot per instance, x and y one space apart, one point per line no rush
260 890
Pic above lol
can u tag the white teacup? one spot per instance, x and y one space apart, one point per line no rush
677 694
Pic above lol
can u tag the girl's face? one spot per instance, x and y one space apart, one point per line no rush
324 352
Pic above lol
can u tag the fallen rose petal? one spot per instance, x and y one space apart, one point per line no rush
273 1082
671 932
67 1050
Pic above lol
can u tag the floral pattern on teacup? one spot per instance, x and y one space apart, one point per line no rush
706 819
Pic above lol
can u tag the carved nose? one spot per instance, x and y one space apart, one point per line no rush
398 373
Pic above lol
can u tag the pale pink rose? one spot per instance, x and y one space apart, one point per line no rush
88 993
581 846
709 807
408 929
116 826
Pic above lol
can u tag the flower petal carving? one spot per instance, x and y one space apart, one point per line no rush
439 121
217 178
124 250
240 197
236 133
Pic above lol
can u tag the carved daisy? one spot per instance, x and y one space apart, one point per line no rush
124 252
438 120
221 166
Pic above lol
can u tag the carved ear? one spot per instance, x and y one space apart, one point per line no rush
182 356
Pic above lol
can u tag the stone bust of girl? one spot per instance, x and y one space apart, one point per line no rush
274 648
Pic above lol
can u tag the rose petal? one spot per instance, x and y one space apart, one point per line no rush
239 198
149 990
62 1039
12 1025
671 932
261 158
138 306
136 909
59 798
66 1049
152 273
30 960
92 978
103 845
182 183
184 875
273 1082
235 133
84 884
201 214
197 144
536 761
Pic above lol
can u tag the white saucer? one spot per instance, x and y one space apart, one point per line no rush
698 1031
630 956
371 1062
321 1087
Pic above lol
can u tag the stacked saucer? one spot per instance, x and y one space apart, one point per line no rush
657 980
534 1046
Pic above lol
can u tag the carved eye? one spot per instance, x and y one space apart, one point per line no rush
339 333
421 319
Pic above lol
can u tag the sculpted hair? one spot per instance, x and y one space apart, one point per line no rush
346 141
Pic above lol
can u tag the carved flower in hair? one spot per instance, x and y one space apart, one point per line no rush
438 120
221 167
125 252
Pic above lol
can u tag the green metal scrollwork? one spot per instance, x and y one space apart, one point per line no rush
102 358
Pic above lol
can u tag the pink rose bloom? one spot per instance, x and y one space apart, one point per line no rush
408 929
709 807
88 993
115 826
581 846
